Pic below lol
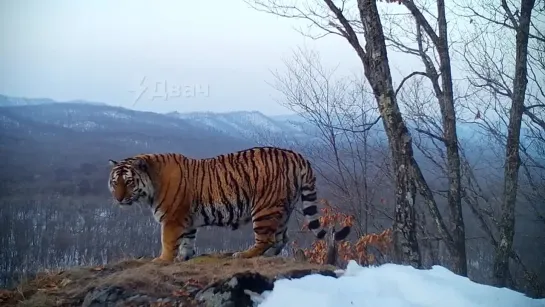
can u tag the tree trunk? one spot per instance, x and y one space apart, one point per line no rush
512 158
453 156
456 243
377 72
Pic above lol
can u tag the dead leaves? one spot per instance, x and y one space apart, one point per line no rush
97 268
359 251
189 288
51 286
54 285
181 293
381 242
65 282
6 296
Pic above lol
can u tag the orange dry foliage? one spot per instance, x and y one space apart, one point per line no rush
346 250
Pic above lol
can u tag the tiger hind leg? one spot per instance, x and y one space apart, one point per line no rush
281 239
265 226
187 244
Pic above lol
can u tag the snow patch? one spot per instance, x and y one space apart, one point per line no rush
391 285
8 122
82 126
114 114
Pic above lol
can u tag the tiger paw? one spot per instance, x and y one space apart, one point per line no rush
161 260
239 255
244 254
186 254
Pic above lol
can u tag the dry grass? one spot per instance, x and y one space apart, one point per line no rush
69 287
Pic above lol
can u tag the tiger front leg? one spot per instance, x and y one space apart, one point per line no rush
171 234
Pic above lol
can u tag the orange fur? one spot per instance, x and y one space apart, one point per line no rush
259 185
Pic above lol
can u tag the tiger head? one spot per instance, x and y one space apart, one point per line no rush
130 182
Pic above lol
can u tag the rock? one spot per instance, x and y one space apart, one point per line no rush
108 296
240 290
117 296
234 291
339 272
245 289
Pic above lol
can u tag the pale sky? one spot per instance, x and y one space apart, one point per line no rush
220 52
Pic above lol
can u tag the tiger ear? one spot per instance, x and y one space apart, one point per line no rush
140 164
112 162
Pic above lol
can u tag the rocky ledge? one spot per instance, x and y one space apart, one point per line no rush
208 280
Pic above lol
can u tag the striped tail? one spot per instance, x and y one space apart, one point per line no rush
310 208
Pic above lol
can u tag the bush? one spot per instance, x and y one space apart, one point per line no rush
367 250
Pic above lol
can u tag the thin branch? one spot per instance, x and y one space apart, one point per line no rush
414 73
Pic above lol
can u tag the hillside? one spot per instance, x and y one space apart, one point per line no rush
70 135
74 114
142 283
219 281
248 124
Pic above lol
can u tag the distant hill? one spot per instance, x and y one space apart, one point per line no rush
6 101
251 126
46 144
248 124
81 132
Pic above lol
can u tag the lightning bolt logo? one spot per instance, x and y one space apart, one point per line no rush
142 89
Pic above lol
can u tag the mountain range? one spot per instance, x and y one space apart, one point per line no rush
83 116
67 134
80 115
42 138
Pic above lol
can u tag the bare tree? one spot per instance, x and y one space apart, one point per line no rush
431 47
504 79
342 142
335 19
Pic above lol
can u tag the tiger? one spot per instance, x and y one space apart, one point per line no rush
260 185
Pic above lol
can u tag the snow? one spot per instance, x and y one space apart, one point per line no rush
85 125
115 114
8 122
391 285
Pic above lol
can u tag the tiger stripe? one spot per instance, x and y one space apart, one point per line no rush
260 185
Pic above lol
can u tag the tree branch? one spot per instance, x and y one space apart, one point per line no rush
414 73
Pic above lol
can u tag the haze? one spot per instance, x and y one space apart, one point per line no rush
220 53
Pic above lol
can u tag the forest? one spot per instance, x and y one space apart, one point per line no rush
449 159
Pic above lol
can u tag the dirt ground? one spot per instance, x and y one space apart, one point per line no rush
167 284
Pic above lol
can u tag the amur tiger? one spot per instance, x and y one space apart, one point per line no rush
260 184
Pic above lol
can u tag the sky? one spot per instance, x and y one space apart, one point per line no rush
213 55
